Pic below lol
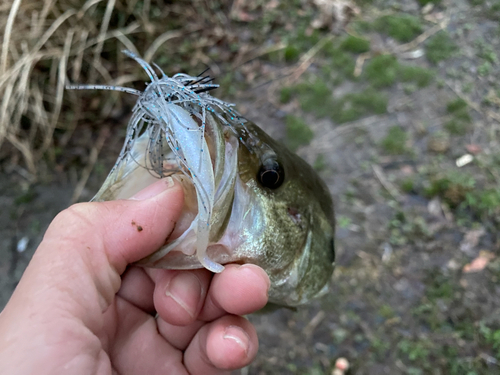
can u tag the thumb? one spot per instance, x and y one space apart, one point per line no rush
125 230
88 246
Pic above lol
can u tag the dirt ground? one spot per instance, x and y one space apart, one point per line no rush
416 286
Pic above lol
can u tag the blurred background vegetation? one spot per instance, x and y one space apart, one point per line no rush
395 103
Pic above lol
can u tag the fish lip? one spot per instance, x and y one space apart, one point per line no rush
177 111
186 241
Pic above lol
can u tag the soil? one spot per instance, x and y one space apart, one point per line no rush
401 301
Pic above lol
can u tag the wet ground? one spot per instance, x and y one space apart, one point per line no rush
406 297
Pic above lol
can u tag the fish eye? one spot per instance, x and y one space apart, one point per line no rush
271 174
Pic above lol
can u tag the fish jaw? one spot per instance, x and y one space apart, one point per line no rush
133 172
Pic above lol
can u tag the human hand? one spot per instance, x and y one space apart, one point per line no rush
78 309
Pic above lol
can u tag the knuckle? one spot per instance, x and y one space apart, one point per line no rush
78 216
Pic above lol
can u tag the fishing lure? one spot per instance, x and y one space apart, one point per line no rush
166 110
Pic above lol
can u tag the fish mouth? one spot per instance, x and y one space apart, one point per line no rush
178 130
208 201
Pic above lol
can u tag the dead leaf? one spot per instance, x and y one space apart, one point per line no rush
407 170
473 149
479 263
334 14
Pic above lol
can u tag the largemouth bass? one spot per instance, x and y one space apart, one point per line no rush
247 198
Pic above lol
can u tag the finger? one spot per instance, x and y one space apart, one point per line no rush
137 288
178 336
138 348
228 343
179 295
237 290
88 246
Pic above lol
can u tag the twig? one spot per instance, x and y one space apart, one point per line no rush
306 60
94 153
313 323
403 47
476 107
257 53
360 61
391 189
422 37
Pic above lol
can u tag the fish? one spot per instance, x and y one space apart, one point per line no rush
248 199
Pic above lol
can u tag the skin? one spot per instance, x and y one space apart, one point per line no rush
81 309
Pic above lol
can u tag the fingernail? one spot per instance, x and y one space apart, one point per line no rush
154 189
238 335
185 289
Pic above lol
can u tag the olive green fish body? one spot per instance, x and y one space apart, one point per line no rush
248 199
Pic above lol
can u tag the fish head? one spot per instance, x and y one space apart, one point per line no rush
288 223
248 199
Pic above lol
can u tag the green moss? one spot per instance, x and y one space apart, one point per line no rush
416 350
457 127
484 69
421 76
386 311
360 26
410 88
341 64
298 41
440 47
463 115
456 105
491 336
315 98
490 9
407 185
439 286
291 53
425 2
355 45
27 197
395 141
461 121
364 2
484 202
356 105
453 187
486 52
382 71
286 94
403 27
343 221
298 133
320 163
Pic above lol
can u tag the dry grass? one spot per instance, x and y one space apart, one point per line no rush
47 44
39 40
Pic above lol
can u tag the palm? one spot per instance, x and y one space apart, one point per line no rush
135 341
